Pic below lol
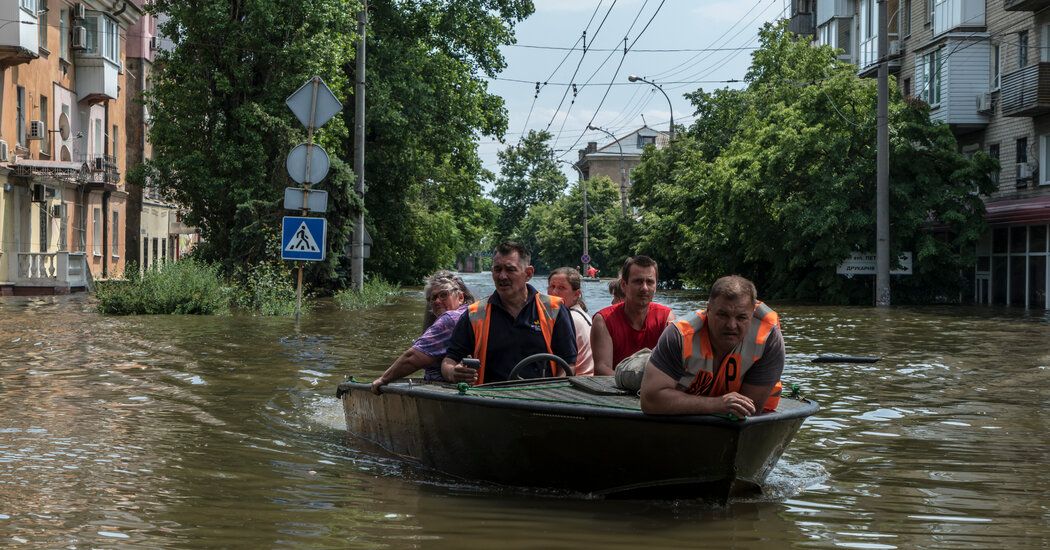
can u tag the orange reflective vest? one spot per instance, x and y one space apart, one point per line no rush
481 314
702 378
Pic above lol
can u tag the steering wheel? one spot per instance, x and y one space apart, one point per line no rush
539 357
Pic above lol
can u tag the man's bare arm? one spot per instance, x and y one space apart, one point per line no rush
408 362
601 347
660 396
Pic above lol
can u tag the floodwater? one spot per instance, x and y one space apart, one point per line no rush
193 432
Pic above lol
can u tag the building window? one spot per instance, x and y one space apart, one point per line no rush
103 37
1044 157
1044 42
931 78
113 152
96 231
62 244
45 115
28 5
906 18
115 231
80 222
156 246
906 88
929 11
42 24
1022 150
145 254
99 146
646 140
63 34
997 66
1022 49
993 151
20 128
164 250
45 221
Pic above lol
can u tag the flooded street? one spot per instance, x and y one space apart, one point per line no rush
191 432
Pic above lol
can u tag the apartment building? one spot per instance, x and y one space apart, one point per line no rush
616 159
984 68
63 97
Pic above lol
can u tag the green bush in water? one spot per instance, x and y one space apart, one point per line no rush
375 292
183 287
267 289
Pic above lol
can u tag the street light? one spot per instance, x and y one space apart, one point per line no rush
623 173
634 78
583 191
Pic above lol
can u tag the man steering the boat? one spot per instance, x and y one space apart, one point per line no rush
727 358
637 322
513 323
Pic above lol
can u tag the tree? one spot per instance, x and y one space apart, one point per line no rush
427 102
529 176
557 228
220 129
777 182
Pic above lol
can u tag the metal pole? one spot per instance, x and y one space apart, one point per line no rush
623 173
882 180
357 260
583 191
299 293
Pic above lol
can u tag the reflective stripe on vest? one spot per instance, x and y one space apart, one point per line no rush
698 358
481 319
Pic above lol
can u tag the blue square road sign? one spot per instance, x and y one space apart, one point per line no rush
303 238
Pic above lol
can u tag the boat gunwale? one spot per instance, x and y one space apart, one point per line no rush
412 389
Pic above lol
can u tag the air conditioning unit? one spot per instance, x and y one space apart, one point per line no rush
38 192
79 41
100 164
894 47
153 44
79 11
59 211
984 102
4 153
37 130
1023 173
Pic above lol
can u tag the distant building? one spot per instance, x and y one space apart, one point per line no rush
618 158
984 68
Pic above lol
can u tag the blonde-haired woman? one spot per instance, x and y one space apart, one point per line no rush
447 298
564 283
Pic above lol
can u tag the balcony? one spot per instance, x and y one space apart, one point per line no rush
1026 92
58 270
96 78
950 15
1025 5
19 33
803 24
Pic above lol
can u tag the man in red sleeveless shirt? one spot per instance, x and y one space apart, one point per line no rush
624 328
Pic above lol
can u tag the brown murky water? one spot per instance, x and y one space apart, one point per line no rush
190 432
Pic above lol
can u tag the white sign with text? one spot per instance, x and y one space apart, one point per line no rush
863 263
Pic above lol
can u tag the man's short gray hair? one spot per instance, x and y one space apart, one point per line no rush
733 287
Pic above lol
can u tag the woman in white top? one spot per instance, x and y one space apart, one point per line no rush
564 283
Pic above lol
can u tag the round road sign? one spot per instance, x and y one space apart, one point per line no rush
585 259
296 163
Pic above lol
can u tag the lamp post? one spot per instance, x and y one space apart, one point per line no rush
583 191
634 78
623 173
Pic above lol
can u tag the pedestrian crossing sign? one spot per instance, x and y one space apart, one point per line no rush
303 238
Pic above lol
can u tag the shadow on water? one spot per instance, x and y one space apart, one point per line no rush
171 431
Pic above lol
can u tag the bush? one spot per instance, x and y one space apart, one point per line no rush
268 289
183 287
375 292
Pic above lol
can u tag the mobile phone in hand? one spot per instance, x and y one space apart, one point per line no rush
472 363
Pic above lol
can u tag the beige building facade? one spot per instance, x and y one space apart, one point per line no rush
618 158
63 100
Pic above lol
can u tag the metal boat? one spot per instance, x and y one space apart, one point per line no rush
577 434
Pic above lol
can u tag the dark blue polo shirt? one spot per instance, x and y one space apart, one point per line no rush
513 339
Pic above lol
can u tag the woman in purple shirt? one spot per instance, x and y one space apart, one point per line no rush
447 299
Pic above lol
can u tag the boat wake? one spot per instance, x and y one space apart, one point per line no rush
790 479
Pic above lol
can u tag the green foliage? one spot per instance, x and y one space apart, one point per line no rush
220 128
375 292
777 182
267 288
558 227
427 102
183 287
529 176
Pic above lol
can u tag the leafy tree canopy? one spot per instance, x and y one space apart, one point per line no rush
529 176
776 182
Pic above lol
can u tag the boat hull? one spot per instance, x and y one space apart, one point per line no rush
571 447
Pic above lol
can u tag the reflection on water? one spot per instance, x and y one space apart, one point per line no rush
224 432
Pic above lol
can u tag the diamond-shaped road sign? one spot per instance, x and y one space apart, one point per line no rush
323 104
303 238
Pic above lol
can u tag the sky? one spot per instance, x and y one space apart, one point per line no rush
688 26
